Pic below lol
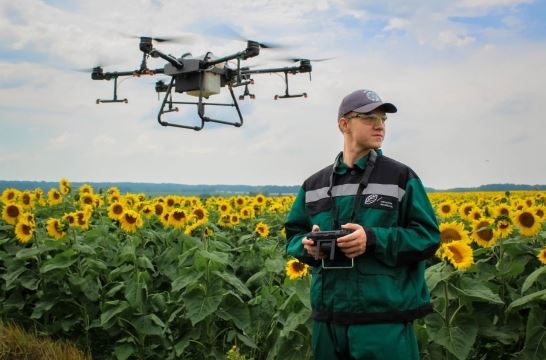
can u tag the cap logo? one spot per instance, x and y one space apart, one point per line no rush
372 96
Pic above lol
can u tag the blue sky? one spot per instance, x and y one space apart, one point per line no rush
467 77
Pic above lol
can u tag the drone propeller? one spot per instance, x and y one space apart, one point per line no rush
182 39
303 59
229 32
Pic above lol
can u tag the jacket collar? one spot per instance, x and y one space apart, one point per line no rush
341 168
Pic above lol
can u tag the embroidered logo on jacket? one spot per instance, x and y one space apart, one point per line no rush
376 201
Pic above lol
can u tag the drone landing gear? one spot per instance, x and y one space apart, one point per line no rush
287 95
200 108
247 93
115 98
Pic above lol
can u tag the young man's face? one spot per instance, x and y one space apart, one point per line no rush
366 131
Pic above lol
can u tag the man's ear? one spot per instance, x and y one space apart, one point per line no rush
343 124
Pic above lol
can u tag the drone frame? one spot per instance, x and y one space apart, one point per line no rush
176 68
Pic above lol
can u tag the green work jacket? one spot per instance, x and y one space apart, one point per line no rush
387 282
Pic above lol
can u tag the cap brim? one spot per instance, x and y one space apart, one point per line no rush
386 107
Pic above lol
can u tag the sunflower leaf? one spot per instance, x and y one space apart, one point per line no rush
529 281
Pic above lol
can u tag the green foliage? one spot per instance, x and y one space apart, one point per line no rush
494 310
157 293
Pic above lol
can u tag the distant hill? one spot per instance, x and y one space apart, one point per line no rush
207 190
159 189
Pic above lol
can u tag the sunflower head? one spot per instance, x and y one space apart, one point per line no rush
54 197
115 210
11 213
130 221
262 229
485 233
296 269
10 195
527 223
542 255
64 186
24 231
446 209
459 254
55 228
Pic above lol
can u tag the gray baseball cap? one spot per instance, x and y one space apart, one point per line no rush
364 101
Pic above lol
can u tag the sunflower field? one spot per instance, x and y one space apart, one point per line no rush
131 276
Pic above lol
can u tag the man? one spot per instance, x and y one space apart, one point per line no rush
365 299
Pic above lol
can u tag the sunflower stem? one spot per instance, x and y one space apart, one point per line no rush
446 314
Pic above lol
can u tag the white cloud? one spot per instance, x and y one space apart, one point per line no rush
467 106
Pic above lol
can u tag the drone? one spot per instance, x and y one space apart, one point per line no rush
202 77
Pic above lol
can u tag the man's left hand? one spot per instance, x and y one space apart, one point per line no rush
353 244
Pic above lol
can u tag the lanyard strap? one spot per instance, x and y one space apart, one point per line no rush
370 164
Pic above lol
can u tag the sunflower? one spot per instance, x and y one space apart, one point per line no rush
11 213
542 255
539 212
114 198
27 199
240 201
200 215
453 231
87 199
484 233
247 212
130 221
113 191
459 254
171 201
262 229
177 218
449 232
82 219
296 269
64 186
224 207
164 218
505 228
527 223
259 200
115 210
10 195
502 210
234 219
71 219
529 202
39 196
475 215
54 197
158 209
447 209
24 231
55 228
208 231
148 211
85 189
224 220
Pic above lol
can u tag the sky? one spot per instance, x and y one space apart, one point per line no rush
467 77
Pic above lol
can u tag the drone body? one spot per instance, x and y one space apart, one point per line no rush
201 77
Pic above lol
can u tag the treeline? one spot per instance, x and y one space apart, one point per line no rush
159 189
207 190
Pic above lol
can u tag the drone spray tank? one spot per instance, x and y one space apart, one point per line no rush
211 78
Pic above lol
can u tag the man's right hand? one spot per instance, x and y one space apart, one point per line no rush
308 243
